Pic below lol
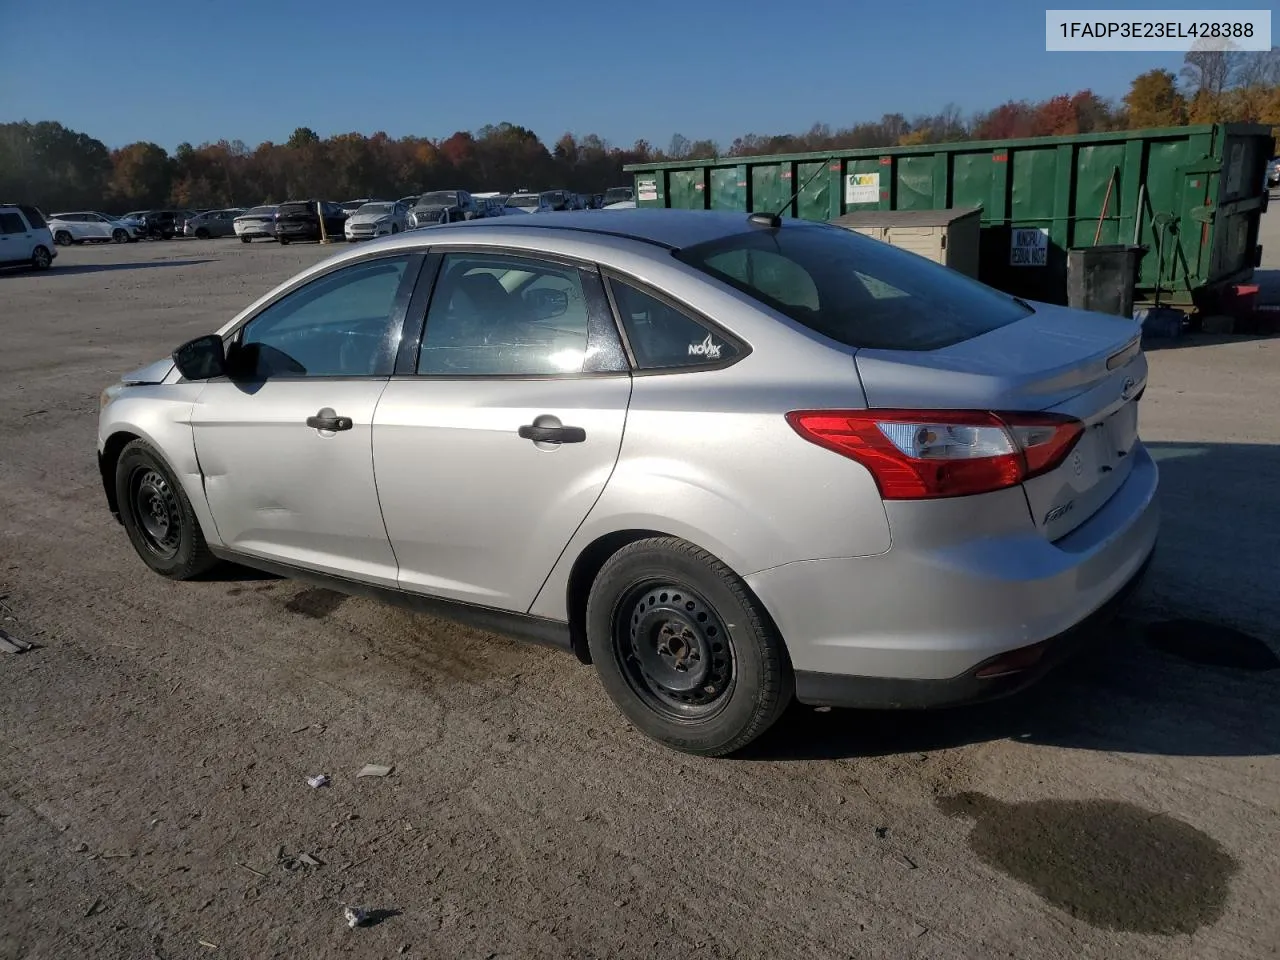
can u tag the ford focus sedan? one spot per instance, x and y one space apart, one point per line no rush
730 460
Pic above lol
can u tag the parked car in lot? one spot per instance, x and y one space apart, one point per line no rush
948 490
1273 172
443 206
299 220
91 227
214 223
617 195
529 202
378 219
25 237
256 223
163 224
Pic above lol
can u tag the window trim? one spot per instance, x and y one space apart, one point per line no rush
612 275
599 314
395 321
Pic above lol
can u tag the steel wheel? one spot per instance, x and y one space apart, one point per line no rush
675 652
156 511
41 259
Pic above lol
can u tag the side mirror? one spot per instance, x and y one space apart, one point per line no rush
202 358
547 304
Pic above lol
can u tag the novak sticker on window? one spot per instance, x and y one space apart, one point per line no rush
705 349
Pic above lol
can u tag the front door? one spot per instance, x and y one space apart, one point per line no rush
491 454
285 445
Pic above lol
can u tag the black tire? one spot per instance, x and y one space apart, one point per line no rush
62 238
281 240
394 229
168 537
41 258
246 239
203 234
120 236
664 602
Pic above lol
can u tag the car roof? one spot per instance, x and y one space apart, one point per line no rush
668 228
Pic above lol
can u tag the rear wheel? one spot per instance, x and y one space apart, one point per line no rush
157 515
203 234
62 238
684 649
41 258
120 236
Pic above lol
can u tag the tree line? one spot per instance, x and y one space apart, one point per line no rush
56 168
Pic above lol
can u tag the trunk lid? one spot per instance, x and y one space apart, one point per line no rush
1084 365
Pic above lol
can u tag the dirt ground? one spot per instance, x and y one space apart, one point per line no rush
157 743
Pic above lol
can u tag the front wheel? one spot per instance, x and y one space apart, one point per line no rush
203 234
246 239
684 649
282 240
157 515
120 236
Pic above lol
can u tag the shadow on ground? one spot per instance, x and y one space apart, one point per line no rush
1194 671
74 268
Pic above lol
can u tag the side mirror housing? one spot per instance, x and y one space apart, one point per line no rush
202 358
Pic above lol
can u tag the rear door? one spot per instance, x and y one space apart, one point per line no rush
15 245
502 426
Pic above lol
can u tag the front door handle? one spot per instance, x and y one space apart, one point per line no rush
549 434
326 419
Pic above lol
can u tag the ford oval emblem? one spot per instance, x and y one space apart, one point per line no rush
1126 391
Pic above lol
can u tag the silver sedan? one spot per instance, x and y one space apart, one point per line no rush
729 460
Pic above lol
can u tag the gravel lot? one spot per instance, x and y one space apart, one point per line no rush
153 794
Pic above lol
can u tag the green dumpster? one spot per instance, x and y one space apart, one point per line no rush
1191 197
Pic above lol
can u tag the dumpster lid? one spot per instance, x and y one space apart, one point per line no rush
906 218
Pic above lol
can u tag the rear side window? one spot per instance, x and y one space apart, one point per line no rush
11 223
663 337
34 217
855 290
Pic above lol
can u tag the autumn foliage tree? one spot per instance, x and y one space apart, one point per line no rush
1153 100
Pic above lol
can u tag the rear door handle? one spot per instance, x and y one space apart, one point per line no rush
327 420
540 434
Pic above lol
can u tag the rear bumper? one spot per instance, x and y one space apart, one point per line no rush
958 589
998 676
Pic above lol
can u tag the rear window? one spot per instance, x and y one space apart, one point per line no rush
855 290
297 208
34 217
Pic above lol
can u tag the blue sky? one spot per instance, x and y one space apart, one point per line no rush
196 70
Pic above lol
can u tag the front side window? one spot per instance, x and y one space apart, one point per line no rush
855 290
492 315
662 336
335 326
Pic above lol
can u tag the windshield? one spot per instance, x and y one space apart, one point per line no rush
855 290
440 198
258 211
523 200
614 194
372 209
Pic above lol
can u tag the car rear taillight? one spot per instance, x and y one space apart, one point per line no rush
925 454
